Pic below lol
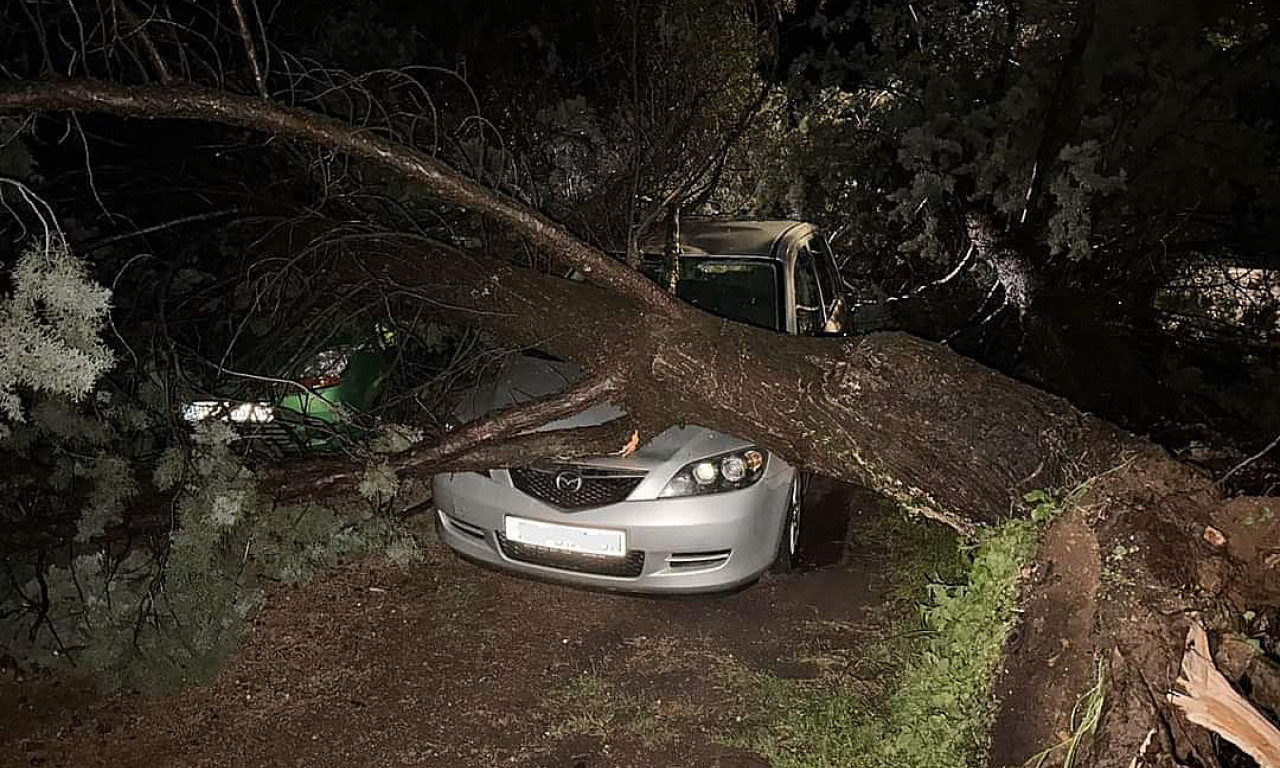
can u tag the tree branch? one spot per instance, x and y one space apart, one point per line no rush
250 53
192 219
493 440
447 184
721 156
1065 107
138 28
512 421
613 438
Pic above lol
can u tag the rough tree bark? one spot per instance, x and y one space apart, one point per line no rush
938 433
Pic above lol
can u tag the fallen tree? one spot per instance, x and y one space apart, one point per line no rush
936 432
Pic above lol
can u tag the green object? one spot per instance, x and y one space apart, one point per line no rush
315 410
357 388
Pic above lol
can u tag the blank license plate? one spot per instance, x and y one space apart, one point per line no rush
567 538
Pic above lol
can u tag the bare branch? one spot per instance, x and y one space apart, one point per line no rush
614 437
193 102
721 157
138 28
250 53
494 439
517 419
192 219
1249 460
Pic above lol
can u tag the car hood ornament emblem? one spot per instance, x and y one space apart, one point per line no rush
568 481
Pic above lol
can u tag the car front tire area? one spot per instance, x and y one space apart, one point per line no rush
791 540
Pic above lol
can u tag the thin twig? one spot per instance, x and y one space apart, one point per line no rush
104 242
250 52
138 28
1250 460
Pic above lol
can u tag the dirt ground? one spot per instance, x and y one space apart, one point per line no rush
448 664
1049 656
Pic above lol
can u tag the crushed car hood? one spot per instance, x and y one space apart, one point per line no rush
525 377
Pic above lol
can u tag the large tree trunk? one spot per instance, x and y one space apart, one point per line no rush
936 432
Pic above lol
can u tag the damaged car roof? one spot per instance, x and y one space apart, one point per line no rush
731 238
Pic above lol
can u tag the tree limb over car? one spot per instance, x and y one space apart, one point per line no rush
885 410
495 440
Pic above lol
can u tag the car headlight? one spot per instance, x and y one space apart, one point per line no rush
716 474
228 410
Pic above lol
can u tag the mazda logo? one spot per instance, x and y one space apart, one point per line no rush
568 481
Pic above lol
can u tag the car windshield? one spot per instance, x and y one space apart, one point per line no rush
744 290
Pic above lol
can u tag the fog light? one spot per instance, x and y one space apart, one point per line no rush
680 485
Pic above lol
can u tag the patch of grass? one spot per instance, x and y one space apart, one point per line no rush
799 724
938 711
942 713
911 551
593 706
589 702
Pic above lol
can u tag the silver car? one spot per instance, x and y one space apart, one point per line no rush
692 510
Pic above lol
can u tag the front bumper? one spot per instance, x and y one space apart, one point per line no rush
675 545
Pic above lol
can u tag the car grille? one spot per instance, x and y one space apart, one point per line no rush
289 435
576 487
629 567
271 440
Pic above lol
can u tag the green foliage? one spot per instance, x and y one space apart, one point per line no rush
152 619
50 329
144 618
1074 189
379 483
916 552
220 489
942 712
65 421
293 543
897 127
113 486
169 468
145 593
1262 517
940 708
1044 503
133 622
610 154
